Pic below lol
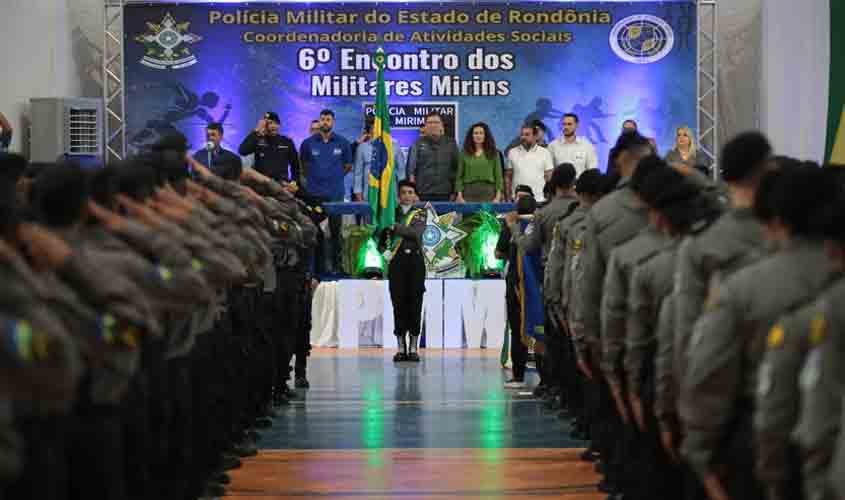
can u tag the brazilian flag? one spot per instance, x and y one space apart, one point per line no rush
382 191
835 152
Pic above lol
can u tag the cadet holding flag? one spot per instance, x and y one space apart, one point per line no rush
406 273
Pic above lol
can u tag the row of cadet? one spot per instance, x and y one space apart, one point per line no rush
148 321
692 329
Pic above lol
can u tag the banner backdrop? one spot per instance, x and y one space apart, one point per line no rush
188 65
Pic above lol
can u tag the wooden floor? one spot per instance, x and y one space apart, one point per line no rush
444 428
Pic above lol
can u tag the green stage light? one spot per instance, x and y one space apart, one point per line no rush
370 260
489 263
484 236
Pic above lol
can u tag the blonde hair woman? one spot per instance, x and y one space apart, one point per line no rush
683 151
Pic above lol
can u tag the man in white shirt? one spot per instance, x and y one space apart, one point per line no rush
569 148
529 164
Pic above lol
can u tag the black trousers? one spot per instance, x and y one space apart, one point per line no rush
553 358
328 251
45 468
571 380
96 454
288 306
519 351
406 276
303 340
654 475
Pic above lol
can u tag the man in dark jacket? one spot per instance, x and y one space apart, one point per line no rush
275 155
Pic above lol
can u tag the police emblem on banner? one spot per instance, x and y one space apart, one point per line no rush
167 44
439 239
642 39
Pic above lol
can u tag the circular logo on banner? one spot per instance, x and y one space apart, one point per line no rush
642 39
431 236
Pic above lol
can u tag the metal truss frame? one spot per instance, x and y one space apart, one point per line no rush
707 83
114 102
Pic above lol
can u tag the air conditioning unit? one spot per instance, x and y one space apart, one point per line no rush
70 128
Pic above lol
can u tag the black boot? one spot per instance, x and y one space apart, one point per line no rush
412 350
402 354
279 397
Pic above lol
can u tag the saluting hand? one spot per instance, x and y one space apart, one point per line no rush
202 193
144 214
170 197
252 195
198 167
109 219
261 128
46 249
175 214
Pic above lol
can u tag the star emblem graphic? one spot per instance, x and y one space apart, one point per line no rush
439 239
166 44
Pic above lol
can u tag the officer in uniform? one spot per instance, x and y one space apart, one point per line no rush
721 246
611 222
808 346
275 154
292 246
406 273
717 401
540 235
674 205
558 287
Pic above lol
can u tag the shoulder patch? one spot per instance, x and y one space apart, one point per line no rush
164 273
21 337
776 338
818 329
577 245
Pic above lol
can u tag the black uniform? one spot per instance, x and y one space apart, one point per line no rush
519 351
406 275
273 155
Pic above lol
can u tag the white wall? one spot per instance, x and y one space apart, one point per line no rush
796 66
46 52
739 66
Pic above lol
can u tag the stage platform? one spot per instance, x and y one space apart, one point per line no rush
441 428
457 313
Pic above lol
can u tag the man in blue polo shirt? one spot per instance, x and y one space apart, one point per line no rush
326 159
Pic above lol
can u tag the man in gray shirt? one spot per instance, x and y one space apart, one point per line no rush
433 162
